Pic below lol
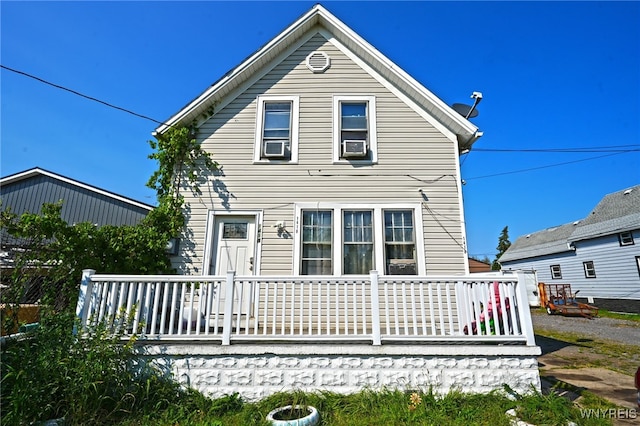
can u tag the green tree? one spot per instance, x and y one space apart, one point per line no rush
503 245
56 252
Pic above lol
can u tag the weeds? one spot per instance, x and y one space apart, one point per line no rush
101 380
93 380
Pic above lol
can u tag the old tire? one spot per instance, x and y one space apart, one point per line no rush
312 418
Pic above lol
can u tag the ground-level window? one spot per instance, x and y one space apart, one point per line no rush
354 240
556 273
589 269
357 236
625 238
399 242
316 242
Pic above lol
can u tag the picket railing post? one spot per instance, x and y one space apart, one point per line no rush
375 309
228 309
523 309
82 307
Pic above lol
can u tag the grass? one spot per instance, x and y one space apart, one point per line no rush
99 381
602 313
599 353
619 315
385 407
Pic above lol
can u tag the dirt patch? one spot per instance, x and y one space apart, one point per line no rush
597 358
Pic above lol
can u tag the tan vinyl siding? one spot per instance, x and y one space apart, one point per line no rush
412 154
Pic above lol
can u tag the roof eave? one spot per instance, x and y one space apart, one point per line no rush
466 132
201 103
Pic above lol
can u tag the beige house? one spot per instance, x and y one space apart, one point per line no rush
335 162
329 252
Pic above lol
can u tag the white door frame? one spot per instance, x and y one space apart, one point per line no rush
210 233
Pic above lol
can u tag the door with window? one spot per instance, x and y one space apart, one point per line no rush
234 243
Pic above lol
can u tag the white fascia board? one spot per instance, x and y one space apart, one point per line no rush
38 171
332 21
334 25
210 94
391 87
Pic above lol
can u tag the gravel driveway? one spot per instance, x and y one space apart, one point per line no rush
621 331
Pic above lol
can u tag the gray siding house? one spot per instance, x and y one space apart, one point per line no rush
598 255
335 162
27 191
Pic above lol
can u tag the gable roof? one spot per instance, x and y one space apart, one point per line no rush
616 212
69 188
548 241
318 19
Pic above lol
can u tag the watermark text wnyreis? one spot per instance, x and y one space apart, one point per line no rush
609 413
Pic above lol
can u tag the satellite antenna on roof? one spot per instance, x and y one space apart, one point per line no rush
469 111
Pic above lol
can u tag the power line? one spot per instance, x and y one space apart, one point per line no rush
91 98
613 148
549 165
609 149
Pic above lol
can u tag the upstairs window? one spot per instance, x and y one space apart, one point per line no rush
354 129
277 129
625 238
556 272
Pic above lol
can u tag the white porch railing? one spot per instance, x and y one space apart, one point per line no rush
373 309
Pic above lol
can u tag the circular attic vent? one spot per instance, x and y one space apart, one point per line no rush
318 62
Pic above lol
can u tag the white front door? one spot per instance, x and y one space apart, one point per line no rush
234 248
234 245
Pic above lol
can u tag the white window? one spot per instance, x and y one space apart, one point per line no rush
556 272
317 239
625 238
589 269
277 124
351 239
399 242
357 240
354 129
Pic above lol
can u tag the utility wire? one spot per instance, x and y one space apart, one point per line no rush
549 165
614 148
57 86
609 149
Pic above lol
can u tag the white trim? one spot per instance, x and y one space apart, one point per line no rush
209 238
463 226
391 87
294 130
240 89
318 15
321 69
378 232
38 171
371 130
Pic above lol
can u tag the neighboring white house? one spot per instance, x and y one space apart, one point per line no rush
598 255
335 162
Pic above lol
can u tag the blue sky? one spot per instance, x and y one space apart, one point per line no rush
554 75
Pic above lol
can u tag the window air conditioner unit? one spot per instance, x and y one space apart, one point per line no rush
354 148
274 149
402 267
